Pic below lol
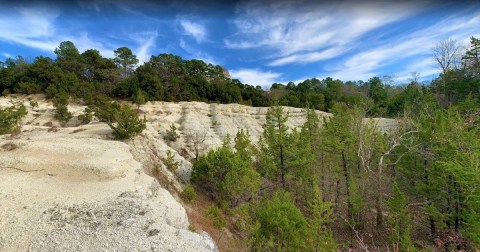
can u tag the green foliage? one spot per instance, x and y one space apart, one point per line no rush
219 221
170 162
139 98
125 59
172 134
321 213
29 88
10 118
105 109
87 116
280 226
126 123
399 221
226 176
33 104
60 102
274 143
189 194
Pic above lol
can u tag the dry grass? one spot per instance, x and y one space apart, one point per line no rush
224 239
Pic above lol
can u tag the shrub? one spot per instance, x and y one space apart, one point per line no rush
126 123
226 175
280 226
189 194
172 134
87 116
33 104
170 162
10 118
105 109
29 88
60 102
217 218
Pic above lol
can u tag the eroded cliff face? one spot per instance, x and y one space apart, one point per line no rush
74 188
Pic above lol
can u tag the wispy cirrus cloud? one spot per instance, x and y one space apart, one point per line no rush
305 32
29 26
196 53
194 29
144 42
255 76
413 49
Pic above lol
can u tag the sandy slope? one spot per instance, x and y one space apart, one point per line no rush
67 190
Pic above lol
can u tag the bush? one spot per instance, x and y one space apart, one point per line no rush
10 118
60 102
217 218
29 88
105 109
87 116
189 194
126 123
172 134
170 162
33 104
226 175
280 226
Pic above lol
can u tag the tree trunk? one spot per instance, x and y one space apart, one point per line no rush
379 199
282 167
347 184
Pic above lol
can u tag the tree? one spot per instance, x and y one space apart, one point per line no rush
170 162
126 123
471 58
446 55
68 58
399 221
280 226
172 134
275 141
60 102
10 118
226 176
125 59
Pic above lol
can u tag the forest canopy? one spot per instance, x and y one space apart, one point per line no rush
167 77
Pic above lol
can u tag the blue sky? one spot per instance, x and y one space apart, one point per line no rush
259 42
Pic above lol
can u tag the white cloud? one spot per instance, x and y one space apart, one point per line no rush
84 42
255 76
197 54
6 55
145 40
416 45
308 57
196 30
299 32
31 27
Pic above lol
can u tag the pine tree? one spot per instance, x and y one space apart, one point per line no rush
275 141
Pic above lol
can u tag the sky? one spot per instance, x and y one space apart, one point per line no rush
258 42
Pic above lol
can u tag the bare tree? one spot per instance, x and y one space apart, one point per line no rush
197 139
446 54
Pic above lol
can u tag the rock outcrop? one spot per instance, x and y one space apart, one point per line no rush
73 188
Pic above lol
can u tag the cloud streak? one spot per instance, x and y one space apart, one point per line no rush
413 47
32 27
305 33
255 76
194 29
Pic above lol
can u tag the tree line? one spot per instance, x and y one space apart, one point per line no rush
168 77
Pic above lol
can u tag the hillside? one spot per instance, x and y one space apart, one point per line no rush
63 185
